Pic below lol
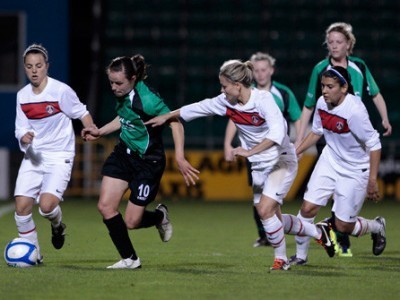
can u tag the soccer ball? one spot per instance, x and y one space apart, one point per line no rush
21 253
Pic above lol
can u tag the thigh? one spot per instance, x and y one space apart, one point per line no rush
322 183
133 215
56 178
29 180
111 193
349 195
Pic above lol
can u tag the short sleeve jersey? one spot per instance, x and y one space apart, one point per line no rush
286 101
361 79
134 110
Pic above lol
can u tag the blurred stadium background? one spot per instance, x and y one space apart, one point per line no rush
185 42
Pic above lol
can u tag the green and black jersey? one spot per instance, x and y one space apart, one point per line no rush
361 79
133 110
286 101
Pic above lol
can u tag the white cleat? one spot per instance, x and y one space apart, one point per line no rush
165 228
126 263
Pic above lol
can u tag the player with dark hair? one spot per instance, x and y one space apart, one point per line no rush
264 141
44 131
264 68
347 168
340 42
138 160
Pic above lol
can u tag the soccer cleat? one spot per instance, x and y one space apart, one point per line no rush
379 239
333 237
165 227
58 235
297 261
280 264
345 252
261 242
127 263
325 240
39 260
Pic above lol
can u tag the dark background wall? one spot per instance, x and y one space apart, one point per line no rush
185 42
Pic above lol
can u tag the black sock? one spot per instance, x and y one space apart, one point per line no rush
151 218
120 237
260 227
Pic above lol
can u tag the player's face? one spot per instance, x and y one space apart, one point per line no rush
338 45
120 85
332 92
231 90
262 73
36 68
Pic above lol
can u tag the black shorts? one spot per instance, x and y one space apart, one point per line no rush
142 174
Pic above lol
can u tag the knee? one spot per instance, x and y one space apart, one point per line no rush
309 210
344 227
132 223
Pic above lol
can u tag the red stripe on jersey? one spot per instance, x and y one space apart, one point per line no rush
333 123
40 110
244 118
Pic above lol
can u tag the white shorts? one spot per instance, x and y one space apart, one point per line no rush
273 181
46 177
348 189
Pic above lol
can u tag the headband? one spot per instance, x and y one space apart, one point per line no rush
38 48
340 76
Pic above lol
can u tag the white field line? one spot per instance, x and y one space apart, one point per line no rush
6 209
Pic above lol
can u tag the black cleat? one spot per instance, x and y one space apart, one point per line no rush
58 235
379 239
326 240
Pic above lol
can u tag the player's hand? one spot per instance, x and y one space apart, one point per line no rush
372 191
27 138
387 127
157 121
239 151
228 153
188 172
90 133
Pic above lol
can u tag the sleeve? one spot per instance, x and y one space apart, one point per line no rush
360 125
276 123
22 125
71 105
311 95
372 86
294 110
317 123
204 108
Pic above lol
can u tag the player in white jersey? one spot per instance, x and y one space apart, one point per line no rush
348 166
265 143
44 131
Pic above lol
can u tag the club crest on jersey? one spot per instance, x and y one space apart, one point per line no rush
50 109
339 126
255 119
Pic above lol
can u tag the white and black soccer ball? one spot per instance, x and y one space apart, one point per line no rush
21 253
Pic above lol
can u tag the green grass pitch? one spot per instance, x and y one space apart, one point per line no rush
210 256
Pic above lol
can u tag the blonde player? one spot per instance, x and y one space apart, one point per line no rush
43 128
265 143
348 166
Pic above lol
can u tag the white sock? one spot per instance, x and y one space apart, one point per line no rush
27 229
364 226
54 216
293 225
303 242
276 237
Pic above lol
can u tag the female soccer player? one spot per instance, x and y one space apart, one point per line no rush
264 141
264 68
43 128
348 166
340 42
138 160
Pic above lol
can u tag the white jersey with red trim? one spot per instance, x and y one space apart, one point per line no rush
348 133
48 115
260 118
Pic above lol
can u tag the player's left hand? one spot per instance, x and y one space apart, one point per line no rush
373 191
239 151
188 172
387 127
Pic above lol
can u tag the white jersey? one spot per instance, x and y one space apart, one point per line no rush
260 118
348 133
48 115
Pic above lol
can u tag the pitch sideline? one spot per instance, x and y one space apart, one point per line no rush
6 209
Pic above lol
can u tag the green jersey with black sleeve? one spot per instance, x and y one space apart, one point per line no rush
139 106
286 101
361 79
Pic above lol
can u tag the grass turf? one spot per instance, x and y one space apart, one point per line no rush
210 256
